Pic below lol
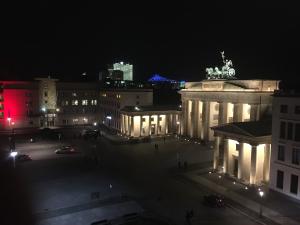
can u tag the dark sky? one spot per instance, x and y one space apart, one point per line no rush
176 40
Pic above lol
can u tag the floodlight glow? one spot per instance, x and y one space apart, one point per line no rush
57 110
9 119
95 124
13 154
108 117
261 194
44 109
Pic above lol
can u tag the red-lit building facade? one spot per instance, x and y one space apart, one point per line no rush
19 105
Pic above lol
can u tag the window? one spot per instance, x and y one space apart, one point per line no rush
67 103
294 184
216 107
297 109
296 156
94 102
290 131
46 101
282 130
46 94
283 108
152 119
143 119
159 118
1 115
74 102
279 183
84 102
280 155
297 132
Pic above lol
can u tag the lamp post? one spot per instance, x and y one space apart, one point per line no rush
13 154
261 194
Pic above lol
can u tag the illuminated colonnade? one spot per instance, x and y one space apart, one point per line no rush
149 121
241 153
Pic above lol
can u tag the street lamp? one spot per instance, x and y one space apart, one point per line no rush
13 154
261 194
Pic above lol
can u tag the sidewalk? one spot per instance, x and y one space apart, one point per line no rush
275 206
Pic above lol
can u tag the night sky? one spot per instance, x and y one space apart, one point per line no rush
175 40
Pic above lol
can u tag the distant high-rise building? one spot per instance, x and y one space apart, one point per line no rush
127 70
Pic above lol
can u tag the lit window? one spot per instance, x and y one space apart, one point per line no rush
67 103
94 102
74 94
85 102
74 102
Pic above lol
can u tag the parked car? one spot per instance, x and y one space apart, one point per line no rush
67 149
23 158
215 201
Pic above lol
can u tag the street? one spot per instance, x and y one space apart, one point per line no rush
103 174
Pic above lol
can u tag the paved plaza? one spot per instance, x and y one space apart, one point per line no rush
106 181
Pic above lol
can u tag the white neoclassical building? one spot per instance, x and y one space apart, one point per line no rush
215 102
144 121
243 149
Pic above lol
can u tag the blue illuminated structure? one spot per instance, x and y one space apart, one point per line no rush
158 78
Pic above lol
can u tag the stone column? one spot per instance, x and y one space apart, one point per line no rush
205 120
131 126
216 153
266 173
241 158
237 112
157 124
185 117
253 165
149 124
166 123
254 112
225 157
222 113
141 125
195 121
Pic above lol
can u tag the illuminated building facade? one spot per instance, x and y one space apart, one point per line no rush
111 101
285 157
127 70
47 101
215 102
145 121
243 149
19 105
77 103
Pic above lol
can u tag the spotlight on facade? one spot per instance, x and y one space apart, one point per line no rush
108 117
95 124
8 119
57 110
220 177
136 108
233 182
44 109
246 188
209 172
177 122
12 123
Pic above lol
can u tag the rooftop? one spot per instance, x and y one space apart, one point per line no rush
249 129
151 108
